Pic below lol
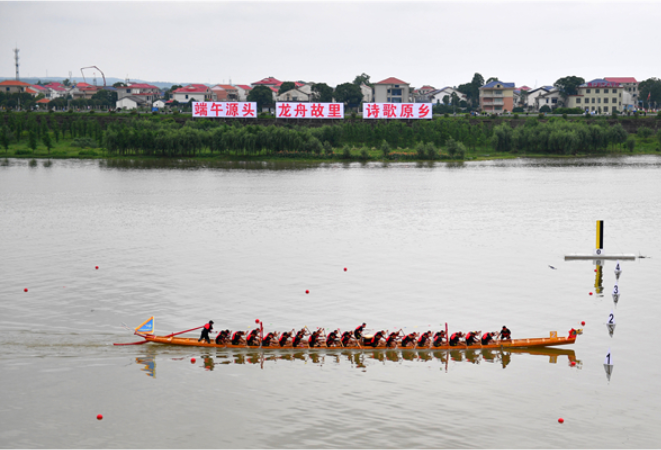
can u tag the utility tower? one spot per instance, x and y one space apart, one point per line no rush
16 59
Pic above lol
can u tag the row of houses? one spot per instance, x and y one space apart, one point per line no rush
600 95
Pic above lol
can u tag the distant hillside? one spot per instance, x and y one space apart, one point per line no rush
99 81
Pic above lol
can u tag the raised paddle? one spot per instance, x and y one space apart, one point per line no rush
134 343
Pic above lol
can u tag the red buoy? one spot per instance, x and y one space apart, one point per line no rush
256 320
97 267
590 293
306 291
25 290
561 420
583 323
192 360
345 269
573 363
99 417
595 270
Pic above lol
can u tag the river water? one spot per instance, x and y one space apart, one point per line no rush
424 244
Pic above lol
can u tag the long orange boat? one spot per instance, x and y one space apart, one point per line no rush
146 331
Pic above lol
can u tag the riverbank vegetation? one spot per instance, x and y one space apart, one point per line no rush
447 138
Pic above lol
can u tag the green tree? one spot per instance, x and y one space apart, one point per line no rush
322 92
491 79
47 141
106 97
4 138
363 78
348 93
119 84
262 95
66 82
32 139
545 109
286 86
455 100
446 100
568 85
650 91
472 90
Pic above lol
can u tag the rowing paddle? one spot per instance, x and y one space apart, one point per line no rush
134 343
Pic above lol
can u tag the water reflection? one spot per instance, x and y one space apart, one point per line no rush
362 359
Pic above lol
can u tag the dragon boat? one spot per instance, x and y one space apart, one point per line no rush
146 331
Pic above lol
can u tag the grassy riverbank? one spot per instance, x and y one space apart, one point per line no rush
455 138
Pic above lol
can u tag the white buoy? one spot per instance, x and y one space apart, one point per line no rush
618 269
616 293
610 324
608 364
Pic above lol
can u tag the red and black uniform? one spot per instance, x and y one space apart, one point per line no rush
408 339
438 339
208 328
374 340
422 341
236 337
572 333
471 338
505 333
358 332
487 338
454 338
312 340
298 338
222 336
346 338
331 339
252 338
392 337
283 339
266 342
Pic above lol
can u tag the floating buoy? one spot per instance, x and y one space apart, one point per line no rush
256 320
345 269
573 363
561 420
99 416
25 290
583 323
307 291
97 267
192 360
590 293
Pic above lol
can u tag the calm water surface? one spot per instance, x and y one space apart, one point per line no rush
424 244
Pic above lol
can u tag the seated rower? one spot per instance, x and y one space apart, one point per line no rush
253 338
358 332
266 342
456 338
299 337
391 341
222 337
424 339
332 339
206 329
439 339
487 338
238 339
284 337
347 340
409 339
314 339
505 333
472 337
375 340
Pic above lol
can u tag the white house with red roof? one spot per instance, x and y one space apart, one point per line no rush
268 81
195 92
148 91
243 90
391 90
83 91
226 93
56 90
294 95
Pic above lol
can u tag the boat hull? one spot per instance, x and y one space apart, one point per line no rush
514 343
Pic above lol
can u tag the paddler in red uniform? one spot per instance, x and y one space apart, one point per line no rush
505 333
487 338
206 329
358 332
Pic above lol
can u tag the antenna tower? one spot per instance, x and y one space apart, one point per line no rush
16 59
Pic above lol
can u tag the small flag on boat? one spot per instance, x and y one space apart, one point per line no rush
146 327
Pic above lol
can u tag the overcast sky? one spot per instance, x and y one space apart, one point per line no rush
435 42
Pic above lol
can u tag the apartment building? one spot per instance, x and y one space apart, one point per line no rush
391 90
497 97
599 95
